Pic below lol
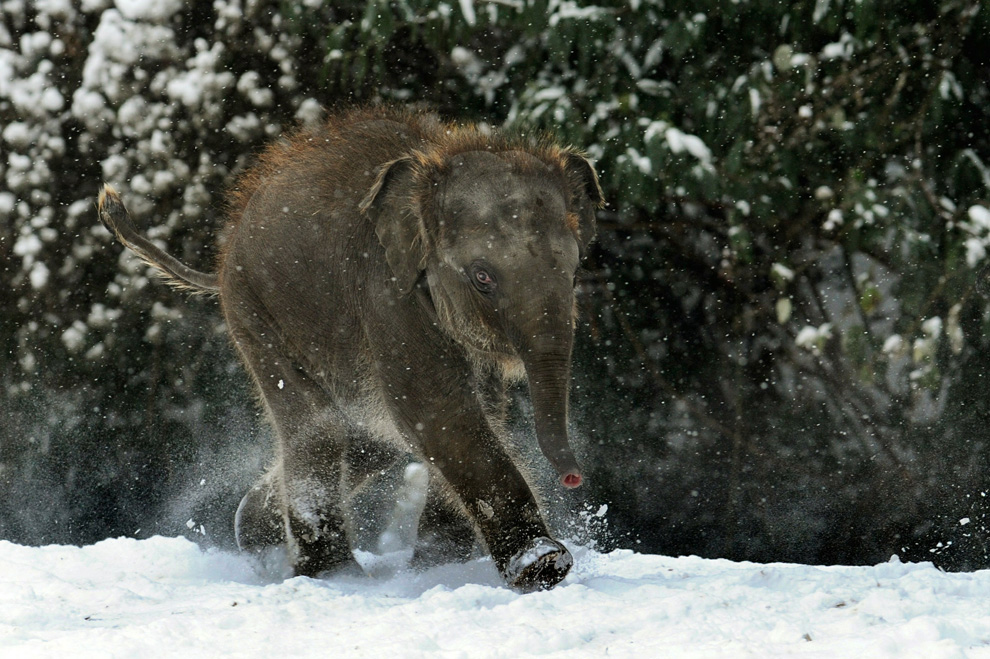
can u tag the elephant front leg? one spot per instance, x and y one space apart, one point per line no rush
497 499
527 557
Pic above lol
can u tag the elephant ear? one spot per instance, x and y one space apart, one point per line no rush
586 195
391 206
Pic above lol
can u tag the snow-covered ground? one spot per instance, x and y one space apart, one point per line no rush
167 597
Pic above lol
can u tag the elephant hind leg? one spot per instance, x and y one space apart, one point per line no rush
258 523
318 539
305 484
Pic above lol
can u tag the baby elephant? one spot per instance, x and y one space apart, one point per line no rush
384 277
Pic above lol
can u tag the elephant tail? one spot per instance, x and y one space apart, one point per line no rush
118 221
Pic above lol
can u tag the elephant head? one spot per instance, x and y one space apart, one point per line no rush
496 237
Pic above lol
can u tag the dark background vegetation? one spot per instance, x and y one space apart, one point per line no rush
781 353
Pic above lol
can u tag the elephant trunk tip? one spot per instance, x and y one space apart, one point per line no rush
571 479
557 451
562 460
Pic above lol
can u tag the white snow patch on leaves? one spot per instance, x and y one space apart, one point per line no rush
467 8
38 276
204 83
678 141
7 203
814 338
125 41
979 216
74 337
782 272
17 134
844 48
639 161
893 345
976 251
28 246
157 11
977 225
755 102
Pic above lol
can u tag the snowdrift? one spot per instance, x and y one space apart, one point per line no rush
167 597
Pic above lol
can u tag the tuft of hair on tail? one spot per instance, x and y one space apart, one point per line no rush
111 210
114 216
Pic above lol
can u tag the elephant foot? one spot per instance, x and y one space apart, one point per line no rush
540 565
258 522
349 568
322 564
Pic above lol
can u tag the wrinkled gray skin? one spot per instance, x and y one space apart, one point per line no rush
384 278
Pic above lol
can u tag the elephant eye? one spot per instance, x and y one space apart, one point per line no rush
483 280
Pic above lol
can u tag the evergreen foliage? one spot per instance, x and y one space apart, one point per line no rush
782 351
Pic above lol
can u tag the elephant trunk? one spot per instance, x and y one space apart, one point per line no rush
547 365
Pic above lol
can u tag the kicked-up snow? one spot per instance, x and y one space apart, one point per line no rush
167 597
